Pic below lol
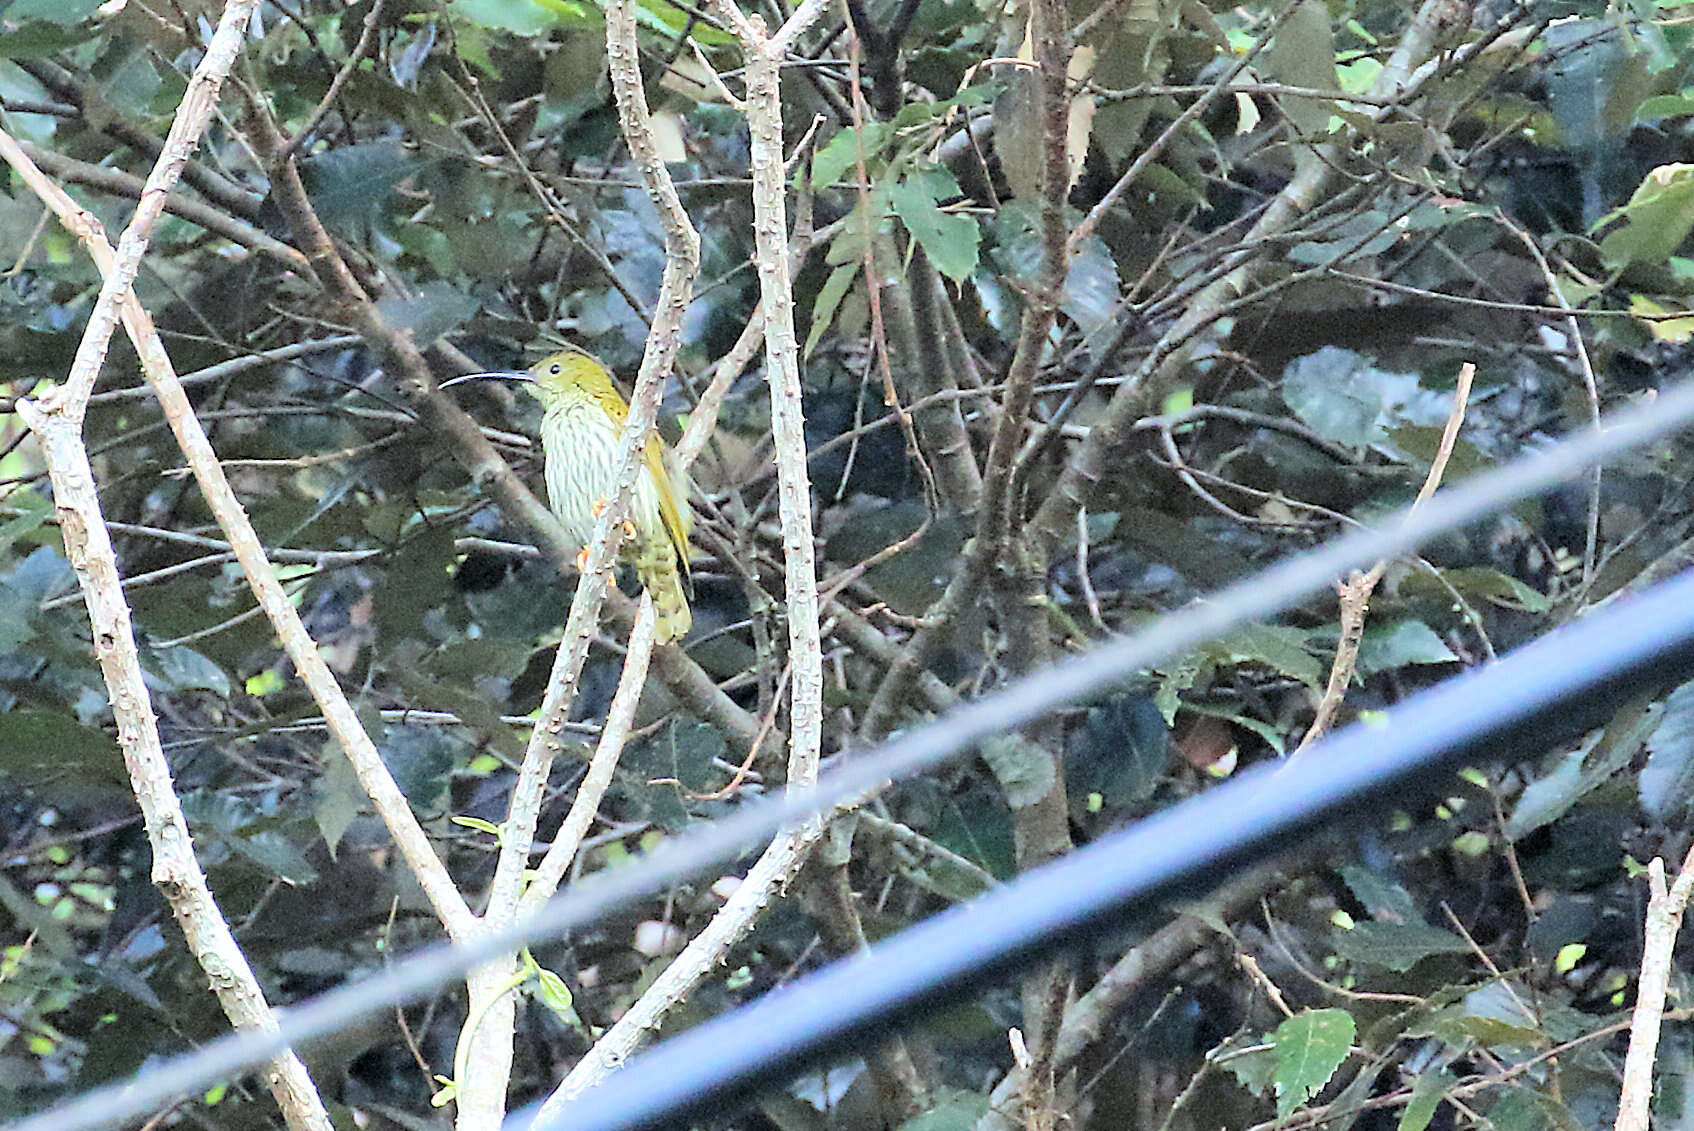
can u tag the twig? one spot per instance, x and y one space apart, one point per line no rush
1665 908
1399 78
784 856
56 422
1355 592
1256 973
235 365
481 1098
175 871
1590 386
366 36
910 840
703 420
918 275
682 260
1089 1017
544 196
120 183
373 774
760 888
193 114
101 116
1083 231
763 55
589 792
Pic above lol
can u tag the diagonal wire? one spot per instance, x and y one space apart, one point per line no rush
923 748
1570 680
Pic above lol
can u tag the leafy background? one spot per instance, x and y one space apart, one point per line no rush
1469 961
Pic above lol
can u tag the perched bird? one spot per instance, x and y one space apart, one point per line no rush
582 420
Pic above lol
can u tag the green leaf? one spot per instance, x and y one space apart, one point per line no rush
479 825
552 992
1121 751
1395 946
520 17
38 41
912 580
1656 220
842 152
248 830
1310 1046
1231 713
1397 644
1279 647
1386 900
1480 582
1251 1062
1018 136
828 301
35 511
337 796
418 580
1092 293
350 186
950 240
681 756
1182 544
1180 676
1665 106
1024 770
1303 54
38 744
1548 798
943 876
671 21
1161 180
950 1110
181 668
15 613
272 851
1336 393
1599 759
421 760
429 312
1593 86
62 12
1522 1110
979 828
1427 1092
1490 1032
1368 234
1666 783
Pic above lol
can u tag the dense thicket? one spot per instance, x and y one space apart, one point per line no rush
1288 225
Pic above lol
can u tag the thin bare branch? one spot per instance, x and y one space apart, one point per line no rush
367 36
1665 908
244 542
589 792
1355 592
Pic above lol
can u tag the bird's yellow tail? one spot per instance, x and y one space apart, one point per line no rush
659 576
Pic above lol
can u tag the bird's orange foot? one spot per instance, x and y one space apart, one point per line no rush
599 505
582 560
628 529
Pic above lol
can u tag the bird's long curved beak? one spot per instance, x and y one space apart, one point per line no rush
491 375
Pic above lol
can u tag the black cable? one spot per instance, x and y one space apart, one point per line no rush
949 737
1569 680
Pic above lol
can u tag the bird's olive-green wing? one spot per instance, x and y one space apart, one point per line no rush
673 498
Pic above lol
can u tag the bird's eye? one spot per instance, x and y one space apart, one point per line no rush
554 368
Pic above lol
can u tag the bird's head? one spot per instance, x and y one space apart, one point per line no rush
571 373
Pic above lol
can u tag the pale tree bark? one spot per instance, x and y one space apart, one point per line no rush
782 859
56 422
